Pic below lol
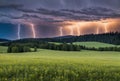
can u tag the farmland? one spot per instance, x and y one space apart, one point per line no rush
50 65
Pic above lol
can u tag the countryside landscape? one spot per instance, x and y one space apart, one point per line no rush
42 40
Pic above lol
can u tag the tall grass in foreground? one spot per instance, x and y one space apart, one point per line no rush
59 72
49 65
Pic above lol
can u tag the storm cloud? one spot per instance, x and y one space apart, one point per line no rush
50 15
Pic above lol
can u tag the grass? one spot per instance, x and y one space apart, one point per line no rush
3 49
49 65
94 44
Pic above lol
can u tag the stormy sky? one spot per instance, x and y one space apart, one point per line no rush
51 18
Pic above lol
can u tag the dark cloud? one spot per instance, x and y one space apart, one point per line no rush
71 9
70 4
49 15
86 14
13 6
10 16
98 12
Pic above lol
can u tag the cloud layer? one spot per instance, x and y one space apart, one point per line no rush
53 14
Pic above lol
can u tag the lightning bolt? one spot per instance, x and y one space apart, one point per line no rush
19 27
71 30
61 31
33 30
78 30
97 30
105 27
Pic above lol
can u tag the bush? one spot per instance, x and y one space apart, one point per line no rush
15 49
18 49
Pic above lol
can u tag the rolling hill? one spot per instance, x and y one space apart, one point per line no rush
110 38
95 44
3 40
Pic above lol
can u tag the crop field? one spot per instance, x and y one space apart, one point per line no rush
50 65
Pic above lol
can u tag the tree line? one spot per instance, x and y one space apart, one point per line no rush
32 47
18 48
111 38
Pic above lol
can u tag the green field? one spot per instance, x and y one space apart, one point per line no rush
3 49
94 44
48 65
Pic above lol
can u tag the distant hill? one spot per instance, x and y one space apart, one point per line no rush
4 40
110 38
62 37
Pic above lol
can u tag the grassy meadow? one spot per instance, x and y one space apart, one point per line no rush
95 44
50 65
92 44
3 49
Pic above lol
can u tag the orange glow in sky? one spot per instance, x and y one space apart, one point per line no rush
105 27
76 27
